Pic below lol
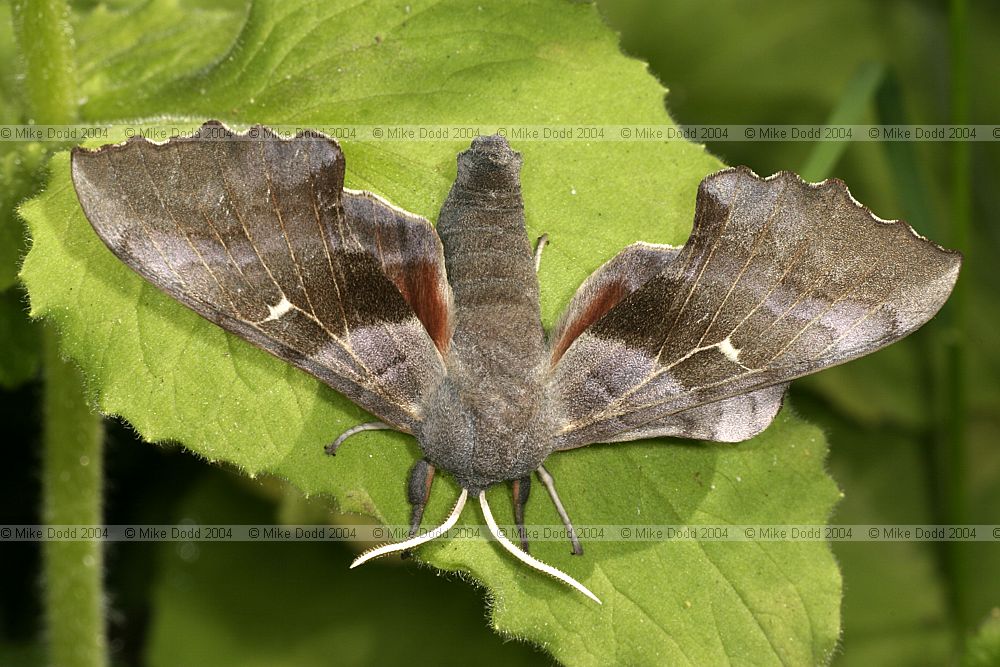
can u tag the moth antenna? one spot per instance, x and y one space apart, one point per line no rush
331 449
415 541
527 559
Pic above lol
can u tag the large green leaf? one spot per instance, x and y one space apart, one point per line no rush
152 42
174 376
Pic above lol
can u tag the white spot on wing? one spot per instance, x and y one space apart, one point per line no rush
277 311
732 353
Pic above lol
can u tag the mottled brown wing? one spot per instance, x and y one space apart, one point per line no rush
779 279
255 233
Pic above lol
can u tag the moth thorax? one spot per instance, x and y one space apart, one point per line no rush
482 441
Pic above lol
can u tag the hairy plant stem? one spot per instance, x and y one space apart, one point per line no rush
72 480
44 40
72 471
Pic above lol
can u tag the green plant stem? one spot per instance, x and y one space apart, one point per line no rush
955 435
907 168
932 346
72 474
850 109
44 39
72 478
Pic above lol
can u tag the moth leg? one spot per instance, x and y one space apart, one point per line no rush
550 486
418 490
521 489
540 244
331 449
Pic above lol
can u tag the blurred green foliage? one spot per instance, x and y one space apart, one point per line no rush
726 61
794 62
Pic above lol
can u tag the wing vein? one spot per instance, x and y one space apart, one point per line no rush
276 207
145 229
849 290
246 230
758 241
854 325
225 246
701 272
327 244
781 281
180 228
256 250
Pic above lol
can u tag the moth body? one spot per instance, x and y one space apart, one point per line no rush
488 420
438 332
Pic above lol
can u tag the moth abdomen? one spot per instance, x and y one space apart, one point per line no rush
490 166
486 422
490 265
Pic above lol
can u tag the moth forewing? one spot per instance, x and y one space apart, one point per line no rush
779 279
249 230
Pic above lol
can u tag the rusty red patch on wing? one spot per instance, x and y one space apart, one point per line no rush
600 303
420 284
